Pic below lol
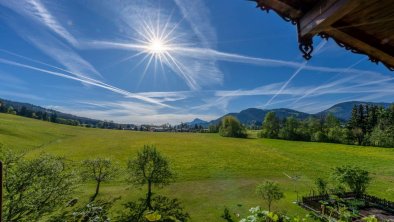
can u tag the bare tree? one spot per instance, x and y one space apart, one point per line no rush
150 168
99 170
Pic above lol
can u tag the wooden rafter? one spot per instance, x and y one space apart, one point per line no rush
350 40
281 7
348 22
323 15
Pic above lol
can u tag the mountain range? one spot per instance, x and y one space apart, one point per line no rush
255 116
250 116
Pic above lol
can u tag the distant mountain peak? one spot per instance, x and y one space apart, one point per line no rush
197 121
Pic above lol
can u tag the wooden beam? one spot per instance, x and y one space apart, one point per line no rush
281 8
369 39
323 14
361 46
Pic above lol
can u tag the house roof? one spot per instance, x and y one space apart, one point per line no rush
360 26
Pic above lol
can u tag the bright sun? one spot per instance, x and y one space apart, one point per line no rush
157 46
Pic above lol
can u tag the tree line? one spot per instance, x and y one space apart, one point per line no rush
48 115
368 125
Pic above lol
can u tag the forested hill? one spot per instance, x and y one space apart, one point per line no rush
45 114
254 116
343 111
27 109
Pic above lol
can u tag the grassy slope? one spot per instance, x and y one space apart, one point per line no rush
212 171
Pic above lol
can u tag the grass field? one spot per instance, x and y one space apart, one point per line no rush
212 171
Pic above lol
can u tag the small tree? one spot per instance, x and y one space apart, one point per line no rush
150 168
270 128
34 187
98 170
270 192
231 127
355 178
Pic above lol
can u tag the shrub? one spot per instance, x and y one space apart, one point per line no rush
231 127
35 187
355 178
321 185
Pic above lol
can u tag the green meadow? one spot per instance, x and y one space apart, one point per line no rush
212 171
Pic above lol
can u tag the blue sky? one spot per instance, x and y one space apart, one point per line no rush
168 61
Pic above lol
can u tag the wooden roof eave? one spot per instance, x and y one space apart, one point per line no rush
322 19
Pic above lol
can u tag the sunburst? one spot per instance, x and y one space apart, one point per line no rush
157 46
163 44
160 43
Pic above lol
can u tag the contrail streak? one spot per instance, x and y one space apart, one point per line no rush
49 65
319 47
329 85
87 81
209 54
287 82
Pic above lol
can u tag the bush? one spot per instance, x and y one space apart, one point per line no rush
355 178
336 135
383 138
35 187
96 211
259 215
319 137
231 127
321 185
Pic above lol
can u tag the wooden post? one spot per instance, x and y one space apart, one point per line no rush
1 191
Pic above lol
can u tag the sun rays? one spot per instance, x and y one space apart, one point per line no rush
158 42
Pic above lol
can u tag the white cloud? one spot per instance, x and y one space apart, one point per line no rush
89 81
198 16
43 24
130 112
39 11
142 20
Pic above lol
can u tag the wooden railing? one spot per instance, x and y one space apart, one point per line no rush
383 203
314 202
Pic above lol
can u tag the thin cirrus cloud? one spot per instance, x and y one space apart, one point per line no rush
318 48
139 19
341 86
359 87
125 112
197 15
330 85
86 80
208 53
35 9
35 14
